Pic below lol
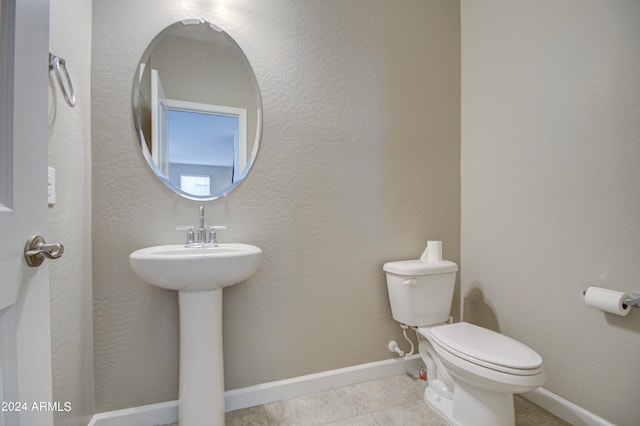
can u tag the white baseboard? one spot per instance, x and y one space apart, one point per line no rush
167 412
566 410
152 415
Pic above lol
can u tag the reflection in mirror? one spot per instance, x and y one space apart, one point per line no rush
197 110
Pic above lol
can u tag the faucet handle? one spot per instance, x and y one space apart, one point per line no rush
213 229
190 234
213 239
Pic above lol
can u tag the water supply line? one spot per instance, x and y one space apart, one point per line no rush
395 348
404 333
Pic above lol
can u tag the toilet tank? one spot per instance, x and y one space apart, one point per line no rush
420 293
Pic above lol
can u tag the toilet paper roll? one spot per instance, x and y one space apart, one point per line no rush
607 300
433 252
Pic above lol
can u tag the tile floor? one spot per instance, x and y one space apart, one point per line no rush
396 400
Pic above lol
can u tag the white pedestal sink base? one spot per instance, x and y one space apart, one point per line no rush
201 365
199 274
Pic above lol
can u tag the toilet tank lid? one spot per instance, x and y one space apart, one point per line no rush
418 267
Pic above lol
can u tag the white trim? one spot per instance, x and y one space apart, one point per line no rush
306 385
154 414
167 412
566 410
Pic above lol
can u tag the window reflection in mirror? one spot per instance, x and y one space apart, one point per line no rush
197 110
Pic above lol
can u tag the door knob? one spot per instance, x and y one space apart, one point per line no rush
36 250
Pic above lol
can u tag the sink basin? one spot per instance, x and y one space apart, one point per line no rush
175 267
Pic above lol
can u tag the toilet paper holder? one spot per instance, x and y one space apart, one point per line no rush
633 300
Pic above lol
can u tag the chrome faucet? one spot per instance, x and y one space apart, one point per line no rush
202 233
201 239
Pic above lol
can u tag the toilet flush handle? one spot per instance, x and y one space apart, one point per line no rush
410 281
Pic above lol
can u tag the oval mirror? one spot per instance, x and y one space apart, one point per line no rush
197 110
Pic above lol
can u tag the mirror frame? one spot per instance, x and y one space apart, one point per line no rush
141 141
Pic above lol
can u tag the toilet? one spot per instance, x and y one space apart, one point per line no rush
472 372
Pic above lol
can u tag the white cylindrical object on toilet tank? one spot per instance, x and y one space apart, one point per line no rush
433 252
607 300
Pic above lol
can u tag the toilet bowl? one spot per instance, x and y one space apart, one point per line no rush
472 372
486 368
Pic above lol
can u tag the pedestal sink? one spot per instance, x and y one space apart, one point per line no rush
198 274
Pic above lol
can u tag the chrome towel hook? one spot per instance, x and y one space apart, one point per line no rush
56 64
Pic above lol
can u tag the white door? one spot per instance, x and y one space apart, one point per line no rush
25 350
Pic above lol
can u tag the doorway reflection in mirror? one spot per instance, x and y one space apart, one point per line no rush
203 145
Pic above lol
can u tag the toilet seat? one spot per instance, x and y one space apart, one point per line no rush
485 348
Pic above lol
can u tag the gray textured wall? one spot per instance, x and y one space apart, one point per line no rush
359 164
550 199
70 218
